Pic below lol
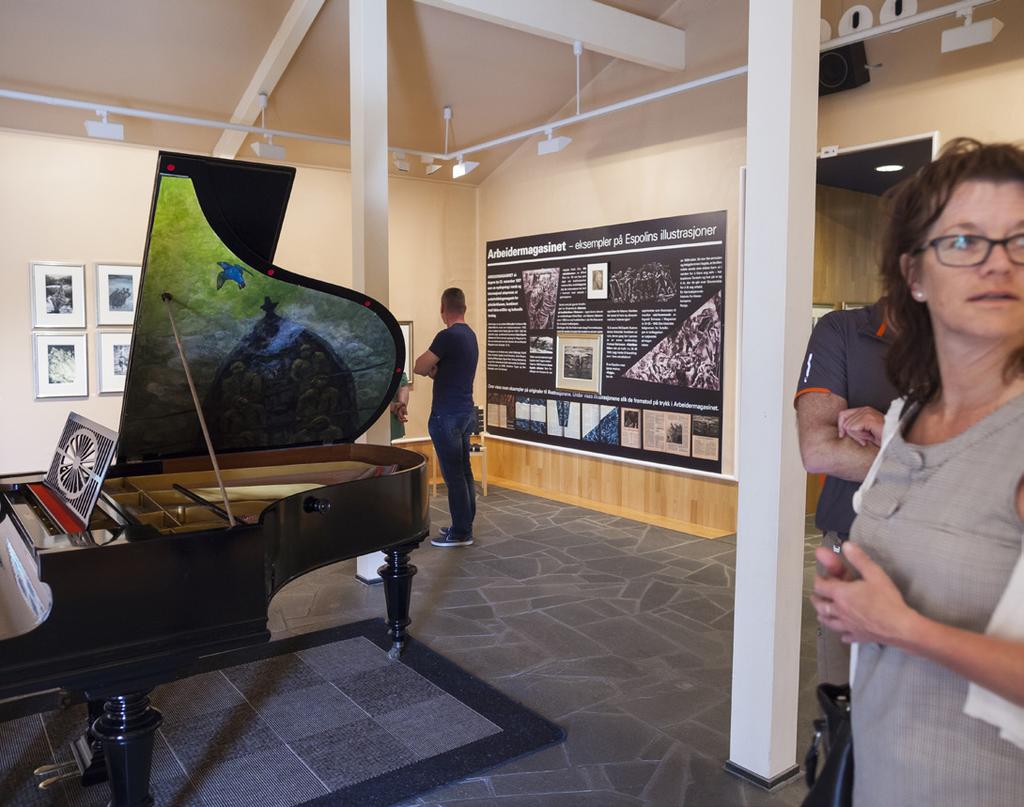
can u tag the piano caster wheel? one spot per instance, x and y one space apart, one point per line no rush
311 504
395 653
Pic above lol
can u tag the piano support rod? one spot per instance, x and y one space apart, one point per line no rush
166 297
184 491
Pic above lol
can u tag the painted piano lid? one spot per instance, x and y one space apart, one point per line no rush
277 359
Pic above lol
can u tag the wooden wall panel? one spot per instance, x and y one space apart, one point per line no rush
693 504
847 238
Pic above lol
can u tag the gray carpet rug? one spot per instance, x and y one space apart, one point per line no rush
320 719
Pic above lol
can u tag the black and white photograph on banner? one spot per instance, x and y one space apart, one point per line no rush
564 419
531 414
631 428
707 435
648 283
634 312
667 432
690 356
501 410
597 281
58 295
600 424
578 362
542 344
540 288
116 289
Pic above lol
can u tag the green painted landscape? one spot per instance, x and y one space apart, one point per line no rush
274 363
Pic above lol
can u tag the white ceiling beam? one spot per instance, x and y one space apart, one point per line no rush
600 28
279 54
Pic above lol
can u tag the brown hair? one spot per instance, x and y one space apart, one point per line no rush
453 300
914 206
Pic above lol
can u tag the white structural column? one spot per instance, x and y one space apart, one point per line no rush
782 103
368 69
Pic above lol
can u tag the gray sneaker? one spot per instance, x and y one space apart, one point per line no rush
445 538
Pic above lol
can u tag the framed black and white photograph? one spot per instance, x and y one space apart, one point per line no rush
597 281
117 287
61 365
112 349
578 362
58 295
409 357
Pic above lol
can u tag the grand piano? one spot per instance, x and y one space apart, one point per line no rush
235 471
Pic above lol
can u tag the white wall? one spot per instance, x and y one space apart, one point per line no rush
87 202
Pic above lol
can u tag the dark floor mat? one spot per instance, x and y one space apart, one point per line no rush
324 718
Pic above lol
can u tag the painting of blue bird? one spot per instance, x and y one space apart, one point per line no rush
232 271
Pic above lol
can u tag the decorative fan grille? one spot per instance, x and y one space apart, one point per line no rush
80 463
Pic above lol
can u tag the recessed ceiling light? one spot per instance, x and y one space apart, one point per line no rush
888 169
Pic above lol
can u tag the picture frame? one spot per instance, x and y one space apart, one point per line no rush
406 328
112 351
578 362
117 286
597 281
61 365
58 294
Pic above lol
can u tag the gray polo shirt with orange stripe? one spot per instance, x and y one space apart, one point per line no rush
846 356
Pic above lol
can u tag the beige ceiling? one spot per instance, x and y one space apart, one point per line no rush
196 57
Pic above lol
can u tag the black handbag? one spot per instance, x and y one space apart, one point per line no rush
833 785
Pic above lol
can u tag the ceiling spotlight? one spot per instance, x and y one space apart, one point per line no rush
431 166
104 129
553 144
400 162
970 33
888 169
266 150
463 167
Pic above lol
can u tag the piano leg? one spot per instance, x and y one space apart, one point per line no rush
397 575
126 731
88 750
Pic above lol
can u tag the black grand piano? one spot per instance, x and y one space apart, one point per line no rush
235 471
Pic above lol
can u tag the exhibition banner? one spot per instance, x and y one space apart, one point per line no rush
609 340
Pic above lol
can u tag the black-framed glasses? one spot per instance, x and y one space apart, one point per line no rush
973 250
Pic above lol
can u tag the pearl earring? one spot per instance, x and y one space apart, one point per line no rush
918 295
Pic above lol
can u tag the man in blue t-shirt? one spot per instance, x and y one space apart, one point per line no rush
451 361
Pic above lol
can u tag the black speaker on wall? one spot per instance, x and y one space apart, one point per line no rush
842 69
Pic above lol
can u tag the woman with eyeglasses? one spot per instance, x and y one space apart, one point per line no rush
939 532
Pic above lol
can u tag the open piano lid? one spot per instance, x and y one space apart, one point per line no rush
278 359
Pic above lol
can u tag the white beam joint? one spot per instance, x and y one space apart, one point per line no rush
286 41
601 28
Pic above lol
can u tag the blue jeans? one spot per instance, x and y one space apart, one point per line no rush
450 434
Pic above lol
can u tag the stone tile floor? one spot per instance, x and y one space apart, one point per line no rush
618 631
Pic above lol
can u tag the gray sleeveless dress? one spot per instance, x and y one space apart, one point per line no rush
942 521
